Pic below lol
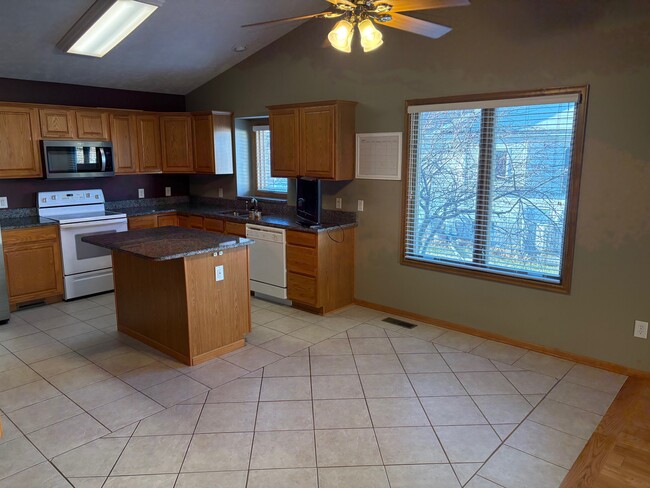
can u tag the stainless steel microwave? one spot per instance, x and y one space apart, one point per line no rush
77 159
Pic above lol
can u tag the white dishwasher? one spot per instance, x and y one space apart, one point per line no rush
268 260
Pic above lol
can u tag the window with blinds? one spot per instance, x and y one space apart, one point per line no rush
265 182
491 186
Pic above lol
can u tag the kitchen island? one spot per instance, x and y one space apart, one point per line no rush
182 291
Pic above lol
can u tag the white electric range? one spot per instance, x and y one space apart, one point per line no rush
87 269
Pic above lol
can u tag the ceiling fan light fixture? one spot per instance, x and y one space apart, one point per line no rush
105 24
371 37
340 36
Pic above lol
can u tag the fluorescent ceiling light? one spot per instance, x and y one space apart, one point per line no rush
105 25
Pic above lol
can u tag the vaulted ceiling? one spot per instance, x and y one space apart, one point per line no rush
184 44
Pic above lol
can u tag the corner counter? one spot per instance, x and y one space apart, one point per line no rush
168 293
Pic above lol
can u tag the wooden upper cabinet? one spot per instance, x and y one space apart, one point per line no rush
212 138
148 143
57 123
125 144
92 125
318 141
285 137
313 139
176 136
19 146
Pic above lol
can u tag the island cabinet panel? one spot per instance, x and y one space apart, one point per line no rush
320 269
33 265
148 143
178 307
19 147
57 123
221 312
176 136
151 303
92 125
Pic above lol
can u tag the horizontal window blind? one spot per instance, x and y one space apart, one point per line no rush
266 182
487 186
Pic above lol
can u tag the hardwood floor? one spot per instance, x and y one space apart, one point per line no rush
618 453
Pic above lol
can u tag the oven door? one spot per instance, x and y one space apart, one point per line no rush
81 257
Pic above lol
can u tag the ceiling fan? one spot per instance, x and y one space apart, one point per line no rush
365 13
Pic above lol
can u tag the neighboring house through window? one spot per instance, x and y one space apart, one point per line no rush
264 182
491 185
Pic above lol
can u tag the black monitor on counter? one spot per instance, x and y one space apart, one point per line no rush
308 201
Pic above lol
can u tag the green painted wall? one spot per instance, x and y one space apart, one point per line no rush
496 45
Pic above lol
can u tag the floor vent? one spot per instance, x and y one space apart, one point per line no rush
401 323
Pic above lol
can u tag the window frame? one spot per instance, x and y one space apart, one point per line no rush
575 171
255 164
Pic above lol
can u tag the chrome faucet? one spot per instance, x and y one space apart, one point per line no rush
254 203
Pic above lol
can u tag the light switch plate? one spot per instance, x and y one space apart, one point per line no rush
140 192
168 191
360 205
220 193
3 202
218 272
640 329
339 202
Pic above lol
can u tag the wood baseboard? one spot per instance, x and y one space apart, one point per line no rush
596 363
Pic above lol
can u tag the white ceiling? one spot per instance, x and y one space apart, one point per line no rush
184 44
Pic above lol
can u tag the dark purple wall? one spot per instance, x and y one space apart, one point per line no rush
22 192
87 96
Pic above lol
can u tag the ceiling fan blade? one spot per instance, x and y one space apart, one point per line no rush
290 19
417 26
408 5
344 2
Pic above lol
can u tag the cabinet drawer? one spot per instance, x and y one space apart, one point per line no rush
171 219
26 236
144 222
196 222
213 225
302 289
302 260
236 229
306 239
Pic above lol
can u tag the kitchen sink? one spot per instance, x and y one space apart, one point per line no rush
234 213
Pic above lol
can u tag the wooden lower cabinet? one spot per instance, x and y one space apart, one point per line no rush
33 265
143 222
235 229
213 225
195 222
320 269
169 219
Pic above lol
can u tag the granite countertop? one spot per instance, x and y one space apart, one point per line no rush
165 243
270 220
24 222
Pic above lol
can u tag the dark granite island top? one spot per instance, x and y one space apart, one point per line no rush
165 243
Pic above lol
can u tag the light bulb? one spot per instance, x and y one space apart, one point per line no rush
340 36
371 38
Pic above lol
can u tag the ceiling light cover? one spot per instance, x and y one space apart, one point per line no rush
371 38
340 36
120 19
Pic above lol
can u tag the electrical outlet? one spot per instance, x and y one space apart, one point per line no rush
360 205
218 273
168 191
339 202
220 192
640 329
3 202
140 192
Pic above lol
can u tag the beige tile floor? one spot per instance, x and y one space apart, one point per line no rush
340 401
